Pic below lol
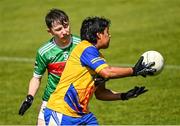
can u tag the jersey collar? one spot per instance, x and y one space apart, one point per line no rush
64 46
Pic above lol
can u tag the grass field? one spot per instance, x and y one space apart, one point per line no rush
136 26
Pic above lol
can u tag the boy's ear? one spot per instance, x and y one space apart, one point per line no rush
49 31
98 35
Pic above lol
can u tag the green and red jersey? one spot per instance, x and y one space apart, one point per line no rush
53 58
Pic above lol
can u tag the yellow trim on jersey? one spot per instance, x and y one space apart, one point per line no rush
101 67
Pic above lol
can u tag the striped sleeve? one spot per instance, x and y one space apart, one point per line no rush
91 57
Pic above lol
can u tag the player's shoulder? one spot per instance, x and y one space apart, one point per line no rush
76 39
85 46
90 49
48 45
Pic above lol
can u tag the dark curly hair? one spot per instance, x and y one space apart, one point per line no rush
56 15
91 26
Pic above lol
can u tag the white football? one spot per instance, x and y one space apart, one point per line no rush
154 56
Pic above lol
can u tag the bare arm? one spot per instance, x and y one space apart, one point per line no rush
104 94
138 69
116 72
34 86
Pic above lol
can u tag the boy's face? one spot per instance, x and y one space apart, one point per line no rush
104 39
59 31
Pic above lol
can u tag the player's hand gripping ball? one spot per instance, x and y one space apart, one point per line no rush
154 56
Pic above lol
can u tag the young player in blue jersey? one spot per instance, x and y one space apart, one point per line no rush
68 104
52 57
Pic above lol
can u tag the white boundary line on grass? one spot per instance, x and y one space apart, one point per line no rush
16 59
31 60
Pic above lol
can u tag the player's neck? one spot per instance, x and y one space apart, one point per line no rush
63 43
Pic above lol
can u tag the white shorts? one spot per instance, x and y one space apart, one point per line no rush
41 112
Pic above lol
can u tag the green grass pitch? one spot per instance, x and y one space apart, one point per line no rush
136 26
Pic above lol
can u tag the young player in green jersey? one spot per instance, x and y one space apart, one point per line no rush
52 57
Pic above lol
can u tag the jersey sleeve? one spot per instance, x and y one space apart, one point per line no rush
39 66
92 58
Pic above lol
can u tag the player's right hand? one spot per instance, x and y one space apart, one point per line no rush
26 104
143 69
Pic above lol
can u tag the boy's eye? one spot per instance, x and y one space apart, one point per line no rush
58 29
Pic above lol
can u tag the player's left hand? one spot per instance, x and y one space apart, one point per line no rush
133 93
26 104
143 69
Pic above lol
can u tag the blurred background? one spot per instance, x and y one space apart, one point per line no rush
136 26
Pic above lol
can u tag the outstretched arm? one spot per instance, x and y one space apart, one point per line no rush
139 69
102 93
116 72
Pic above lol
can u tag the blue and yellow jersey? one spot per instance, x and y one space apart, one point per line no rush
76 85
